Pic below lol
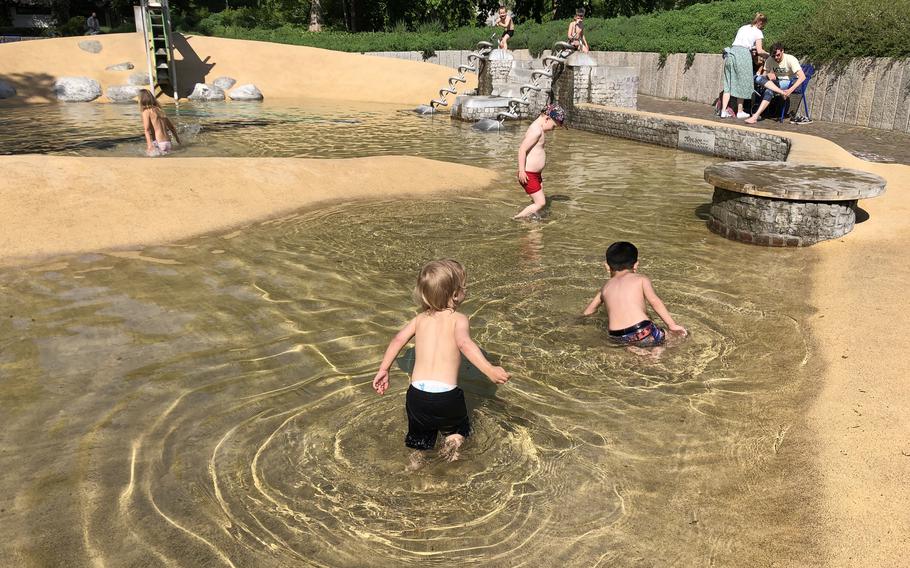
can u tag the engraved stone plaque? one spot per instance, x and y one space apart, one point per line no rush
696 141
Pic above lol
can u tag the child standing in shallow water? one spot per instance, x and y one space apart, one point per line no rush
624 296
156 125
434 403
532 157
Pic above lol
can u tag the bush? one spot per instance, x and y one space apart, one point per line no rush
73 27
841 29
811 29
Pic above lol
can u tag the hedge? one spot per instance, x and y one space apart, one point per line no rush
815 30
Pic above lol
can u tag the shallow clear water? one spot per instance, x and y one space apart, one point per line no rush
208 403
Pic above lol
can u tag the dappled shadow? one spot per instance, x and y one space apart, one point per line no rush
191 69
29 85
703 211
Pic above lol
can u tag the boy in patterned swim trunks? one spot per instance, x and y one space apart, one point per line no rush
624 296
532 157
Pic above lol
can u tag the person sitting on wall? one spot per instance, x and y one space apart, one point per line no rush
92 26
783 77
576 31
505 21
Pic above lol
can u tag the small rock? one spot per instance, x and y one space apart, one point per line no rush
76 89
247 92
90 45
204 92
123 93
139 78
224 83
7 91
125 66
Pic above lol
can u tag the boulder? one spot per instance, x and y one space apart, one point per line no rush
125 66
90 45
76 89
7 91
224 83
204 92
123 93
139 78
247 92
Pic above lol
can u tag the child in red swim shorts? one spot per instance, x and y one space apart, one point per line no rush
532 157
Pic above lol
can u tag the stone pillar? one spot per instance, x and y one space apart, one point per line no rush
494 75
572 81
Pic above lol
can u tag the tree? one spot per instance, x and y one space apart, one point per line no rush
315 16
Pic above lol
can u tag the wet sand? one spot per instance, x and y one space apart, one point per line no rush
58 205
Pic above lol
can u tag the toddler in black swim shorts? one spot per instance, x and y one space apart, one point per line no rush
434 402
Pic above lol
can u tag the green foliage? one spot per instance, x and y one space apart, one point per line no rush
73 27
811 30
841 29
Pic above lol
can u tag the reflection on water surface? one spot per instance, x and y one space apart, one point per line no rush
208 403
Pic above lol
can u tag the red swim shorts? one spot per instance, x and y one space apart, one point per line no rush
534 183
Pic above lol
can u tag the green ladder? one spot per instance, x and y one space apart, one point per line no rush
159 47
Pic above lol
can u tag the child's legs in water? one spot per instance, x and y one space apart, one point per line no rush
538 201
450 445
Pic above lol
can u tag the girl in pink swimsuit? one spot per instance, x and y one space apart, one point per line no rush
156 124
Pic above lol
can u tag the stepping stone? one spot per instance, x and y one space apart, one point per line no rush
90 45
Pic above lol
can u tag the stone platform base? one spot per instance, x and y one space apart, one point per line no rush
472 108
779 222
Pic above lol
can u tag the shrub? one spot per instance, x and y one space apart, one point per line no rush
811 29
72 27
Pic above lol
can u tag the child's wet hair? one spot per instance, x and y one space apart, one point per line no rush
438 283
147 99
621 255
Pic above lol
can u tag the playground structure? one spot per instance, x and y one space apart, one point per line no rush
551 63
510 107
475 61
156 30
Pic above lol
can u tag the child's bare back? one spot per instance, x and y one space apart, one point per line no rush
436 346
624 298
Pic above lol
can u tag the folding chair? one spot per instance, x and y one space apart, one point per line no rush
808 70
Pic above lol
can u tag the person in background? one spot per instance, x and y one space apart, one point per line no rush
738 75
576 31
505 21
92 26
783 76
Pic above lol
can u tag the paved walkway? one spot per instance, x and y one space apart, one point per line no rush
866 143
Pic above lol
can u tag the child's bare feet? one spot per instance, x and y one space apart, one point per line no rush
416 460
450 447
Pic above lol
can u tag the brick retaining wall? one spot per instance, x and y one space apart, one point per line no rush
732 143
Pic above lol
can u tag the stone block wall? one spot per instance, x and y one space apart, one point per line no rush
721 141
873 92
779 222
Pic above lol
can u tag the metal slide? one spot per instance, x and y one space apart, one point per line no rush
156 29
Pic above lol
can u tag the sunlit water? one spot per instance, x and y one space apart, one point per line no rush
208 403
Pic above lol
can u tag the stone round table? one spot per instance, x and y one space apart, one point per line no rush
786 204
